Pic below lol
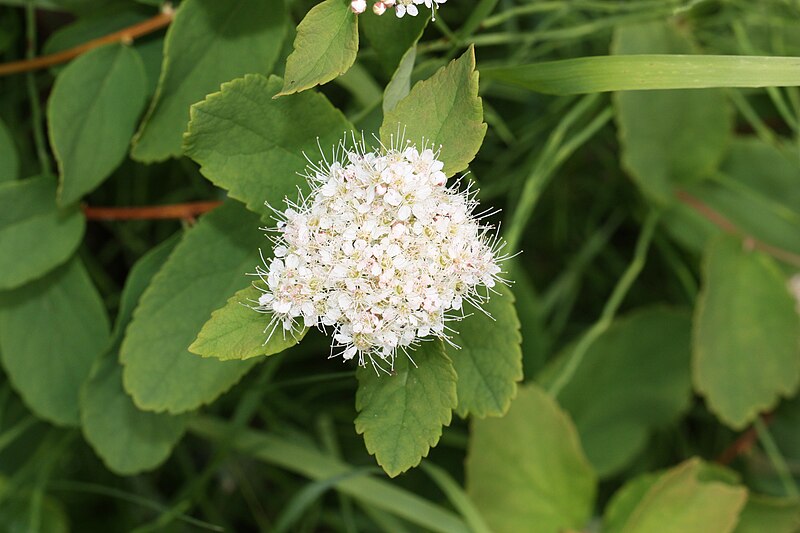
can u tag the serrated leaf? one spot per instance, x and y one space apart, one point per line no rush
488 361
640 367
28 214
444 110
682 500
401 416
253 146
325 46
51 331
206 267
671 137
528 468
391 37
92 114
128 440
236 331
9 160
747 334
208 42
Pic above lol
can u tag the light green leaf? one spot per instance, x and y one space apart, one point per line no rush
444 110
400 84
128 440
782 515
668 138
746 334
92 113
488 361
528 468
9 160
208 42
51 331
325 46
207 266
253 146
391 38
236 331
645 71
28 214
682 500
401 415
640 369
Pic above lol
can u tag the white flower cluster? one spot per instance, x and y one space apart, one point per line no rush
380 251
401 7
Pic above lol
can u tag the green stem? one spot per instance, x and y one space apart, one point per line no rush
33 94
776 458
314 465
612 305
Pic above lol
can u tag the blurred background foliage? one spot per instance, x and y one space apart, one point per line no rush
674 338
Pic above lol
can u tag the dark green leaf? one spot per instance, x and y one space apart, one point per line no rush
391 37
33 228
253 146
208 42
669 138
51 331
401 415
9 160
207 266
92 113
488 361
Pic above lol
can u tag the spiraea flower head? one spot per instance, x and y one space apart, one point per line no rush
382 252
401 7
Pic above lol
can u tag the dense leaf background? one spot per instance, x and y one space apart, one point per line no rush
639 373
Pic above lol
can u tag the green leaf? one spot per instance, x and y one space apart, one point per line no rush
236 331
17 511
782 515
391 38
207 266
51 331
488 361
401 415
208 42
444 110
681 500
640 369
400 84
253 146
89 129
325 47
669 138
9 160
28 214
128 440
528 468
645 71
746 350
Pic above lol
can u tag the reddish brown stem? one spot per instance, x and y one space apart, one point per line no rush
727 226
125 35
187 211
743 444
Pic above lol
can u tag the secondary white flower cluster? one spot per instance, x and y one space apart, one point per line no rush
380 250
401 7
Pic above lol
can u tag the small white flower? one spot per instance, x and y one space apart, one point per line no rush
379 8
405 6
358 6
380 250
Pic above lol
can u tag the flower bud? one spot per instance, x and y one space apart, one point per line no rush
379 8
358 6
